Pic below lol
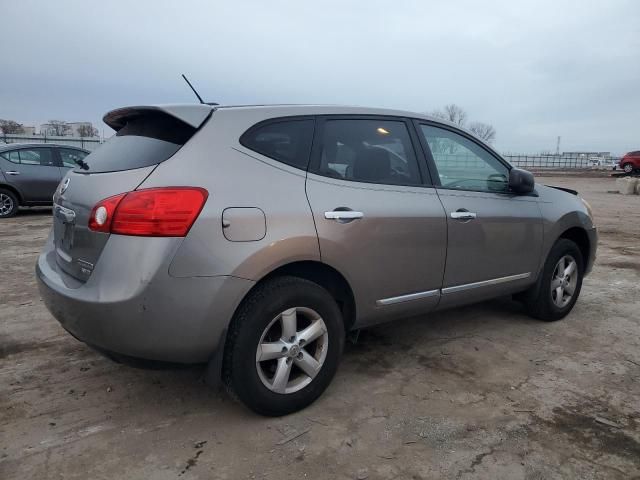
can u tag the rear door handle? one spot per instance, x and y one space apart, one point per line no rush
12 172
343 215
463 215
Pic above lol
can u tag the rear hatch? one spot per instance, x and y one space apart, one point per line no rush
146 136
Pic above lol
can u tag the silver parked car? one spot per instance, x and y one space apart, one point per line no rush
254 238
31 172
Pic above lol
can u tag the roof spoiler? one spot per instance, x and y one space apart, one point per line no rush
193 115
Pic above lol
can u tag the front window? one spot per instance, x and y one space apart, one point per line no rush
463 164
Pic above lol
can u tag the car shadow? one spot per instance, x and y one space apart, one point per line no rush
182 390
34 211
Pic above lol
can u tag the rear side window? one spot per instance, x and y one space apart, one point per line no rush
372 151
145 140
287 141
71 157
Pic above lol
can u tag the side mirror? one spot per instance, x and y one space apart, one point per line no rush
521 181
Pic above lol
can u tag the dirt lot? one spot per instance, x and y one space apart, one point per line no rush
478 392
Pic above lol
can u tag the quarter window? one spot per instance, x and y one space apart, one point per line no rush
12 156
463 164
287 141
373 151
70 157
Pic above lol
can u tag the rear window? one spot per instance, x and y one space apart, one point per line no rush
145 140
287 141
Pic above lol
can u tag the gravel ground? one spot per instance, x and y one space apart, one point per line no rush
477 392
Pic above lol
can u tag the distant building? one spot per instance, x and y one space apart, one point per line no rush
28 130
72 131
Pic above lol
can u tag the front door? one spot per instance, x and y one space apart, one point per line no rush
378 222
494 236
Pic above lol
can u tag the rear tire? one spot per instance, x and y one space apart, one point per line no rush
268 364
558 286
8 203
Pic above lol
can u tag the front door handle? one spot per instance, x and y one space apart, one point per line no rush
463 215
12 172
343 215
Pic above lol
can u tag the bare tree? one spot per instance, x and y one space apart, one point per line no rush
58 127
452 113
87 130
484 131
9 126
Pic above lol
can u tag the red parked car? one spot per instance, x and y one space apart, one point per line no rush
630 162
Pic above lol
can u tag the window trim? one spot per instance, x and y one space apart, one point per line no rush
432 164
292 118
316 149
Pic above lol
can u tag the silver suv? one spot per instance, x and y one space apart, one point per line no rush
254 238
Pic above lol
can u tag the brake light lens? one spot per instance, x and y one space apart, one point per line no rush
152 212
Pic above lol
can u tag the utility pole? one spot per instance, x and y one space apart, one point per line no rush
558 146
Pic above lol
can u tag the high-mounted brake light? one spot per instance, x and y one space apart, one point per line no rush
152 212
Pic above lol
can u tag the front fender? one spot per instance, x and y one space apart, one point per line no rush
562 211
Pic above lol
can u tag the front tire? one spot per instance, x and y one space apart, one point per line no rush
8 204
559 284
628 168
284 346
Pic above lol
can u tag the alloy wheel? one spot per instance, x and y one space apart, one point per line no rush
628 168
6 204
292 350
564 281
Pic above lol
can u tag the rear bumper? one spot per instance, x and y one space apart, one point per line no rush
132 306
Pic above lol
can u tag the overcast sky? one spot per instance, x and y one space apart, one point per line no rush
533 69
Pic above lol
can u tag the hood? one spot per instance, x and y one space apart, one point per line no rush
568 190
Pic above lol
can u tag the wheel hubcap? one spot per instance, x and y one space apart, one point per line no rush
564 281
292 350
628 168
6 204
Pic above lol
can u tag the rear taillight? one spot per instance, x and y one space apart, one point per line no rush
153 212
102 214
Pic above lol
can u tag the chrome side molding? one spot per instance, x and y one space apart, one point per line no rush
485 283
406 298
444 291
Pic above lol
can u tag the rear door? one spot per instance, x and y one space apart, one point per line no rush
494 236
378 221
33 171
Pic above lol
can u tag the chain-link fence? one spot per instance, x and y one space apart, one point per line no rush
561 162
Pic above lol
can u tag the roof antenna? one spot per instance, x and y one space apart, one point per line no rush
194 90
